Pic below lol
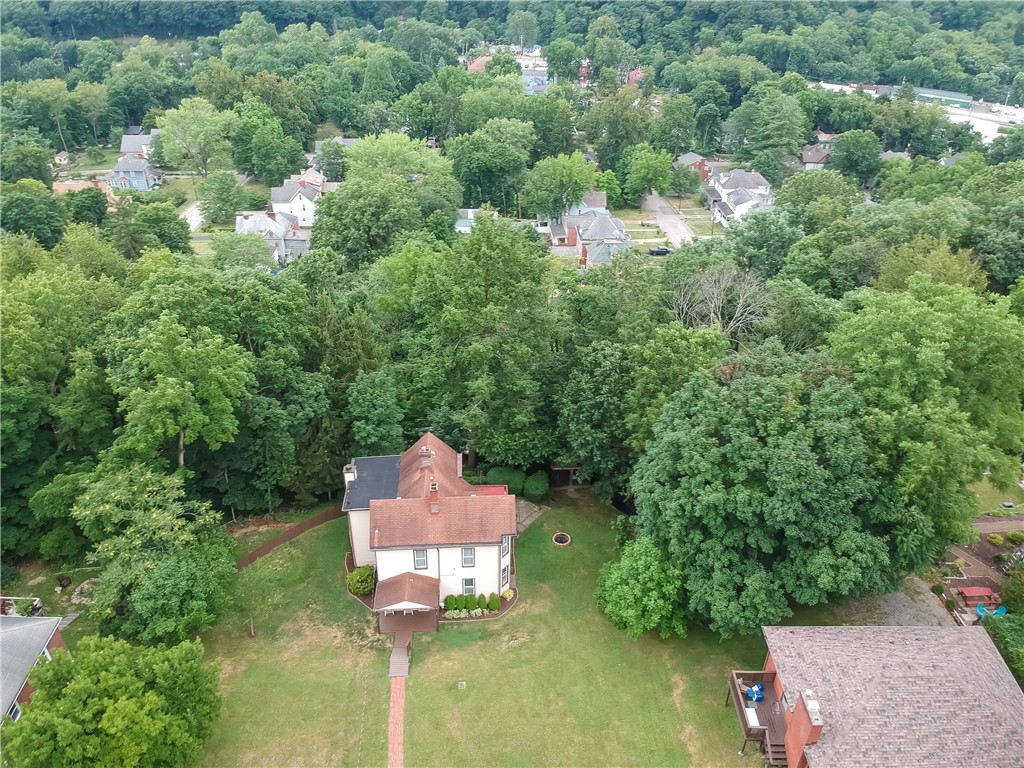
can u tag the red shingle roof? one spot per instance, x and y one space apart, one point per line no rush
406 588
436 507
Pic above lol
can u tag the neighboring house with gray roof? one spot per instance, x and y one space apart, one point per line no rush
138 144
133 173
298 195
731 195
280 231
861 697
24 642
345 142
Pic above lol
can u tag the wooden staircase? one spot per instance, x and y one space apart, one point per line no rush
776 754
400 655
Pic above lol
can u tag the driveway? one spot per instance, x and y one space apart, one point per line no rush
193 216
671 223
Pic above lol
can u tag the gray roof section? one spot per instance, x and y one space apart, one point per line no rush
133 164
596 198
687 159
376 478
261 223
22 639
913 697
134 142
288 191
337 140
740 179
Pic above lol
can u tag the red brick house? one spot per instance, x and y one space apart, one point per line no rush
24 642
695 161
860 697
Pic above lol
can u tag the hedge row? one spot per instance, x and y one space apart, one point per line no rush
471 602
533 488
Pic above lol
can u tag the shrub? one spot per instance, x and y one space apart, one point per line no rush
536 487
476 613
481 602
494 604
512 478
932 574
360 581
951 605
938 589
1013 590
1007 633
474 479
624 530
995 539
451 603
9 574
1015 537
460 602
508 594
258 198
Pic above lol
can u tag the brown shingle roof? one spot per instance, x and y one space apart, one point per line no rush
912 697
459 520
456 513
406 588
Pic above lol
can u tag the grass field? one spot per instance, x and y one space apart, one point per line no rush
554 683
312 687
990 498
108 161
702 227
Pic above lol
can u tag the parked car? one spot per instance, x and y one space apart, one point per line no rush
661 250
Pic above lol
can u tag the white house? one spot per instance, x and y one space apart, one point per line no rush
734 194
280 231
428 532
138 145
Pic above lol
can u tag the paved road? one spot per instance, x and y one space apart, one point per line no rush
665 215
985 525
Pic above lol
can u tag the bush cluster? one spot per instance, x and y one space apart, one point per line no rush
476 613
950 605
9 573
995 539
938 589
494 603
1015 537
513 479
535 488
360 581
508 594
450 603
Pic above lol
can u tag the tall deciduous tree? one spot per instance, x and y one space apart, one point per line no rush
221 197
375 415
758 485
856 154
362 220
179 384
555 183
31 208
196 135
673 131
117 704
167 561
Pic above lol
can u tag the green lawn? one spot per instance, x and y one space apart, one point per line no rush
108 161
704 227
990 498
554 683
312 687
186 187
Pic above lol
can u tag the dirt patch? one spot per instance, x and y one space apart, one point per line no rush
985 552
255 524
37 580
678 690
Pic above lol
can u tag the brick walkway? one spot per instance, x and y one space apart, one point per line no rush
396 723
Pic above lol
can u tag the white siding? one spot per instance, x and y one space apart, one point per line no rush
487 570
506 560
391 562
359 533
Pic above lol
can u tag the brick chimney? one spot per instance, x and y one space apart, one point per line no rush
804 727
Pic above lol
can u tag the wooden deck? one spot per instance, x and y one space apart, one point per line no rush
770 731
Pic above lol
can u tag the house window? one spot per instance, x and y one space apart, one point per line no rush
504 545
468 557
469 586
15 711
504 576
419 557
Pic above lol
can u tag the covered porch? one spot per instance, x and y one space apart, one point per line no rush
762 722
